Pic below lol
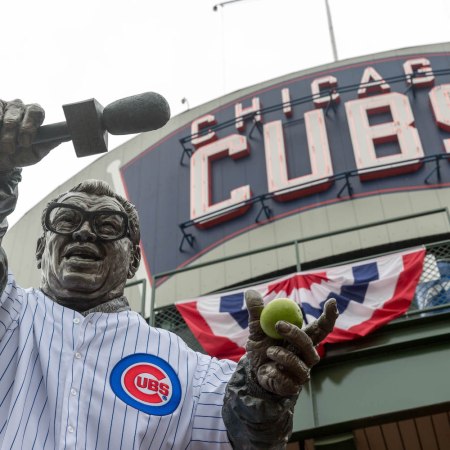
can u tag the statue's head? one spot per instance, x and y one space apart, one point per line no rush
89 246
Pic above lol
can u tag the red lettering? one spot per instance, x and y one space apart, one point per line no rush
201 138
164 389
152 384
319 155
440 104
365 136
418 72
141 382
233 146
372 81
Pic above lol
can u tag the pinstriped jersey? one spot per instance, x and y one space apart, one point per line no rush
104 381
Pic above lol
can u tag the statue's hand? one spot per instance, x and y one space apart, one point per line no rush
18 126
283 366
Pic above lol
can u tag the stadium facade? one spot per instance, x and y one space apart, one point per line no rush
314 169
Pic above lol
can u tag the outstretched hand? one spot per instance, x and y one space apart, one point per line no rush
283 366
18 127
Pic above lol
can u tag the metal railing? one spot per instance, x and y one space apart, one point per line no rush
433 290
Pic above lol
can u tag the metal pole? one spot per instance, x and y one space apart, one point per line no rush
142 281
151 317
330 28
144 296
330 22
448 214
216 6
297 257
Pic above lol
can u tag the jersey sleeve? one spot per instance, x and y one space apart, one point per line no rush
208 430
3 269
11 302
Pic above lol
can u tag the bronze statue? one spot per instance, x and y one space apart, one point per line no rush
80 370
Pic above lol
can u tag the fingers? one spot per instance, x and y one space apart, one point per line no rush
287 372
12 118
320 328
32 119
19 124
271 379
301 343
282 367
2 110
289 363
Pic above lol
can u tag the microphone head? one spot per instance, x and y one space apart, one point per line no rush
136 114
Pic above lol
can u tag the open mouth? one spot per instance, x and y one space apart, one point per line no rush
83 253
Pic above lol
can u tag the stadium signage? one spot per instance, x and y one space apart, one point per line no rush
373 96
353 130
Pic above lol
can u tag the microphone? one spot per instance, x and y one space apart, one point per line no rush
87 122
136 114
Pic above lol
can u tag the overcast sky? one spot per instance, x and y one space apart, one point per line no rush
56 52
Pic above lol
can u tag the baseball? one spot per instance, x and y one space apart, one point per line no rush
280 309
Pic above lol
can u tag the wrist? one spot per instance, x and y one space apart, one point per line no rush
256 418
11 173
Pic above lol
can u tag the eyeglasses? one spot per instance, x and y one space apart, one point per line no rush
65 219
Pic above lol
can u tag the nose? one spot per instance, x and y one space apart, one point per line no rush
84 234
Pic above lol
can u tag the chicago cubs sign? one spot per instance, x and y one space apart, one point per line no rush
147 383
374 127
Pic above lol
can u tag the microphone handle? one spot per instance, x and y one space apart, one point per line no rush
54 132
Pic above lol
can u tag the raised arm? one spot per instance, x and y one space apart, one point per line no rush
8 198
260 398
18 126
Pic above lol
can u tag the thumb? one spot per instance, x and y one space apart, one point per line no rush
255 305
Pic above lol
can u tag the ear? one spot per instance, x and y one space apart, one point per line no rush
135 261
40 250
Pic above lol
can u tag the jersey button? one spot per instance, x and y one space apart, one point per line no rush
70 429
78 355
73 391
76 321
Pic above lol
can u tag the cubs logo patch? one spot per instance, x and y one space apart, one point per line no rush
147 383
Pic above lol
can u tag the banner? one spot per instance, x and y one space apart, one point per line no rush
369 294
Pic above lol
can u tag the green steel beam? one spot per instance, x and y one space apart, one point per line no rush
300 241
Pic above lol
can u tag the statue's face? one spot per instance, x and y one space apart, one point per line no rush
80 270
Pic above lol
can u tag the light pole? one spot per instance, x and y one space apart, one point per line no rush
216 6
329 19
330 29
